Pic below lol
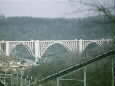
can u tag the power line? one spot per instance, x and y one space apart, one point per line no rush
76 67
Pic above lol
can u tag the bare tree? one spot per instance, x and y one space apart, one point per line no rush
101 7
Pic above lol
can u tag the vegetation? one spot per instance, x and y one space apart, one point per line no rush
27 28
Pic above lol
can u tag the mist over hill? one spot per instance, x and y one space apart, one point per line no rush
27 28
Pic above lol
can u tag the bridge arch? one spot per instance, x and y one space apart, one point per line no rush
54 53
52 44
91 50
22 46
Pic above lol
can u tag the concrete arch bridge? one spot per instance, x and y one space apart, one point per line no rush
37 48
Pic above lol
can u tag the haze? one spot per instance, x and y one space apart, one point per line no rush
43 8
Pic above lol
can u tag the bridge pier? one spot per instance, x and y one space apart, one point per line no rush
7 49
37 51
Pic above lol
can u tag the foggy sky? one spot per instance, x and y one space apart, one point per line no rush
43 8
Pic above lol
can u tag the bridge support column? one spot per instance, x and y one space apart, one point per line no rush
7 49
37 51
80 46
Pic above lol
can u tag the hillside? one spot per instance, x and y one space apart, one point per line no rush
27 28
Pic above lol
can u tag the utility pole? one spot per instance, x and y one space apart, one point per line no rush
58 82
85 76
21 83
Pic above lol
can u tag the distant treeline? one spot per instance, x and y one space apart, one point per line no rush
27 28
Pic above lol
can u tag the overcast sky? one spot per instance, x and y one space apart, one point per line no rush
43 8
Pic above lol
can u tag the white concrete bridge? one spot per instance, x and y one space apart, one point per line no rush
38 47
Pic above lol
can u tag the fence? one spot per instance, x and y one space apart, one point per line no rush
16 79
